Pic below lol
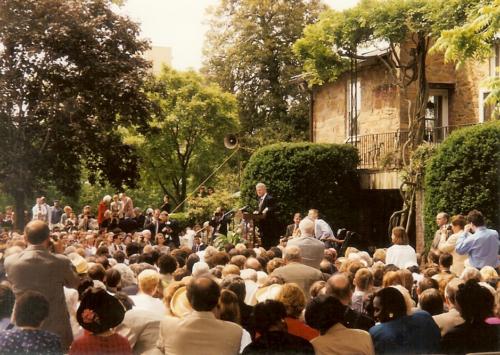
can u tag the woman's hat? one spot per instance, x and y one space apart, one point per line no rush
99 311
270 292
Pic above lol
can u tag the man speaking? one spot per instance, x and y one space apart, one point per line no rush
267 225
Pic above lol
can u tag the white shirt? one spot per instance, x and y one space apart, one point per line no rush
143 301
322 229
400 255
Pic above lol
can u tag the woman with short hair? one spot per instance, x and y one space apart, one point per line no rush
447 243
31 309
294 300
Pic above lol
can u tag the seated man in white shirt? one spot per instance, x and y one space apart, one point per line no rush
322 229
148 281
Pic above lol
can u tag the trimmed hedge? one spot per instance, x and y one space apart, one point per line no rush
464 175
301 176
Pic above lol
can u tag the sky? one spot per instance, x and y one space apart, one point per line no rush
180 25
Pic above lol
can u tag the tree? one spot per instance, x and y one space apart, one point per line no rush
249 53
71 71
474 40
184 138
405 30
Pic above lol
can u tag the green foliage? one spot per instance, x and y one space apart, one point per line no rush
249 53
183 140
201 209
464 175
474 40
70 72
326 45
301 176
415 171
231 238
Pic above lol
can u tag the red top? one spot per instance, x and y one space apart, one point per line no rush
100 212
90 344
300 329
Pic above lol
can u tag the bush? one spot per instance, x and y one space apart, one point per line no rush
301 176
183 219
464 175
201 209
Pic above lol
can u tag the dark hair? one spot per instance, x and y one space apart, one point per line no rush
97 272
458 220
476 218
103 261
167 264
7 300
31 309
475 302
125 300
236 284
323 312
203 294
191 260
392 304
277 252
102 251
85 283
112 277
427 283
446 260
267 314
119 256
431 301
37 232
133 248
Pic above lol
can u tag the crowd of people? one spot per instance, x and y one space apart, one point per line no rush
140 285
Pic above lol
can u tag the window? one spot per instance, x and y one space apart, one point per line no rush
436 116
353 110
487 111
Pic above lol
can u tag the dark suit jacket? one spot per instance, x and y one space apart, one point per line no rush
355 320
267 226
289 230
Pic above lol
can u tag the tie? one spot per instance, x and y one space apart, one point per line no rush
260 203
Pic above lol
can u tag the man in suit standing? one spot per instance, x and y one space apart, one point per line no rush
267 225
37 269
200 332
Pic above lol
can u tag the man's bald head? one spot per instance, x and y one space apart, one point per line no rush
339 286
253 263
292 254
203 294
36 232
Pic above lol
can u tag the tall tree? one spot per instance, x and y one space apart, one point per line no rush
184 138
406 28
249 52
71 71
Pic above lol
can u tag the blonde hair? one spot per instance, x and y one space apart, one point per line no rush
379 255
229 308
148 281
230 269
488 273
168 294
294 299
391 278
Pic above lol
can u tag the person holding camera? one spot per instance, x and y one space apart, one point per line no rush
478 242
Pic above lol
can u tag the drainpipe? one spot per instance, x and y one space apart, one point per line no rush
311 115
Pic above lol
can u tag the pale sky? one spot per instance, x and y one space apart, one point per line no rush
179 24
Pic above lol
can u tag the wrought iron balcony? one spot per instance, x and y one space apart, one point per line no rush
384 150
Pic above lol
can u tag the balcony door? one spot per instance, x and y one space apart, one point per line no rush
436 116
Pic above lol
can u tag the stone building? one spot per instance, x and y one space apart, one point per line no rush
457 99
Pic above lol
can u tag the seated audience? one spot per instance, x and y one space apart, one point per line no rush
274 339
398 332
32 308
326 313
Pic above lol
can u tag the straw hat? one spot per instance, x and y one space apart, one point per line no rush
79 263
270 292
179 304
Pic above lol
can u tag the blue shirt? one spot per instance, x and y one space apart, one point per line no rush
19 341
416 333
482 247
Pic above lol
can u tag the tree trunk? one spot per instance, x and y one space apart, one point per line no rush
417 131
20 200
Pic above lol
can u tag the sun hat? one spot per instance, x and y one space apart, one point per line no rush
99 311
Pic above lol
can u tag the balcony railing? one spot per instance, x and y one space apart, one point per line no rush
384 150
